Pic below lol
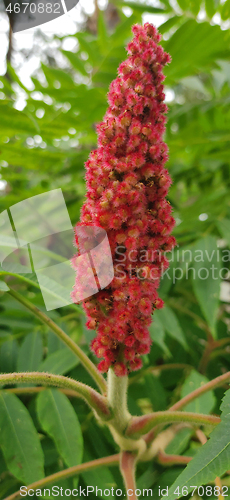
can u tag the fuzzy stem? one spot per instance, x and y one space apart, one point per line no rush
92 397
127 468
70 472
117 400
21 391
216 382
141 425
89 366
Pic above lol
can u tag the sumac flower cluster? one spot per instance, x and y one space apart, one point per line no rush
127 185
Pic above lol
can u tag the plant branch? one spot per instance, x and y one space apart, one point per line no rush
201 436
21 391
89 366
209 347
127 468
70 472
92 397
216 382
141 425
211 351
168 460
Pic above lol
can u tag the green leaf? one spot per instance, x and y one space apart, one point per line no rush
102 32
180 442
148 478
213 458
12 118
206 278
225 11
142 8
172 325
54 343
76 61
59 362
88 45
155 392
224 227
210 7
184 4
56 74
19 440
195 46
195 6
12 73
203 404
50 452
59 420
30 353
3 286
163 28
8 356
101 478
157 333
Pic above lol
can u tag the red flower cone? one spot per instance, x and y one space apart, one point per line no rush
127 185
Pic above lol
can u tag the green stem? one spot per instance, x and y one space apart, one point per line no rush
89 366
117 400
70 472
92 397
30 282
141 425
216 382
21 391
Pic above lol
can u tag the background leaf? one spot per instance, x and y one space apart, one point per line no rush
58 418
30 353
212 460
172 325
207 278
3 287
19 441
59 362
157 333
8 355
203 404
